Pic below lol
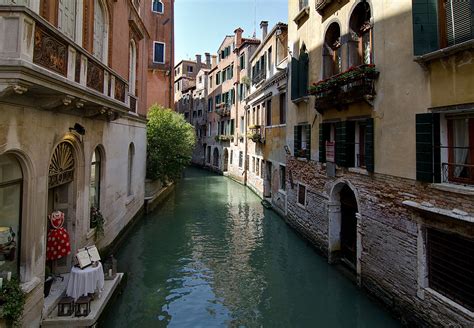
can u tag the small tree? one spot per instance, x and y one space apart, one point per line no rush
170 143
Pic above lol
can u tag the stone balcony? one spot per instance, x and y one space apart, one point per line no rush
41 67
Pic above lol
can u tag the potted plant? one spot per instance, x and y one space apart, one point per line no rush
48 281
98 222
12 301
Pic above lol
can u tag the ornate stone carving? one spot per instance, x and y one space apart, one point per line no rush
49 52
61 168
95 76
119 90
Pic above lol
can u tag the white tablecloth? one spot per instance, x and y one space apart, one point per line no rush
82 282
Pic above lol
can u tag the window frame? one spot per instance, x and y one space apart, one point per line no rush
154 52
162 7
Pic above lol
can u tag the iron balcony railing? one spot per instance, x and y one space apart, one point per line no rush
259 76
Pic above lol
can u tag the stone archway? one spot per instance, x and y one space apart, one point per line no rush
344 237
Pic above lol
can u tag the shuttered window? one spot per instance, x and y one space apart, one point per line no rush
302 141
459 16
451 266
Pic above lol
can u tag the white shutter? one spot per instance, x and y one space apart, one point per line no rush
67 17
99 30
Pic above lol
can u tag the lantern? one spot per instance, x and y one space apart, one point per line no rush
110 268
65 307
83 306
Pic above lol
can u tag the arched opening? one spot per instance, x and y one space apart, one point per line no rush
11 185
215 158
332 63
61 197
101 31
360 43
343 234
226 160
95 183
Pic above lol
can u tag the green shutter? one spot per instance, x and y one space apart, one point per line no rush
308 141
369 145
232 92
297 140
232 126
341 143
428 161
350 143
294 79
324 135
425 26
303 75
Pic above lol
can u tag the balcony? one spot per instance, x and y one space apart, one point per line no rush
46 69
224 138
259 77
223 109
255 133
354 85
321 5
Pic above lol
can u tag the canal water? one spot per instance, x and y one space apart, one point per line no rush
212 256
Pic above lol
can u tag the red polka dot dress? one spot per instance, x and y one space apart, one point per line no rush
58 244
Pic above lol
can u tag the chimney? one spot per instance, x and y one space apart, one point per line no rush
264 28
238 37
214 60
198 61
208 59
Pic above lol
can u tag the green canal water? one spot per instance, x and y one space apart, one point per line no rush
212 256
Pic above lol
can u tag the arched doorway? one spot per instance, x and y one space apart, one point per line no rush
61 188
343 234
215 158
226 160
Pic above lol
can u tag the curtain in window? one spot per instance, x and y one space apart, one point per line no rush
460 144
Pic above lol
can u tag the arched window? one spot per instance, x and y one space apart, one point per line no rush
100 45
96 177
132 70
67 17
11 182
131 155
332 51
157 6
360 44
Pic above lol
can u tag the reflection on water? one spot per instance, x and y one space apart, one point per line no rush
213 256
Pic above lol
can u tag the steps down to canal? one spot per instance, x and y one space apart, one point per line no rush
97 306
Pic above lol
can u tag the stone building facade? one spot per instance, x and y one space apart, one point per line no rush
379 175
73 92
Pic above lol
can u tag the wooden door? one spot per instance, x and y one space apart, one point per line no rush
67 17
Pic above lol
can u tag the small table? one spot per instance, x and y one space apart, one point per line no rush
84 281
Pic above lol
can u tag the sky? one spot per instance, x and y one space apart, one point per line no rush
201 25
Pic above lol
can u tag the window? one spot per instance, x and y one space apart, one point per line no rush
158 52
11 182
269 112
456 21
231 156
257 167
200 79
67 17
360 45
242 61
301 194
100 45
94 189
242 125
210 81
450 266
218 78
209 105
270 63
282 177
241 159
282 108
460 164
253 164
157 6
131 155
302 141
190 69
132 70
332 62
218 99
303 4
299 75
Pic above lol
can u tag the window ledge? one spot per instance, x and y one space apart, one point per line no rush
28 286
300 100
450 303
445 52
358 170
459 189
430 208
302 14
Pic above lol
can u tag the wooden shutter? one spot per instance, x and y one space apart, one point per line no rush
303 75
308 140
459 21
425 26
369 145
232 126
350 143
324 135
294 79
297 140
341 143
428 161
67 17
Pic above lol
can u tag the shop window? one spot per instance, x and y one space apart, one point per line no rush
301 194
451 266
360 43
332 62
11 182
